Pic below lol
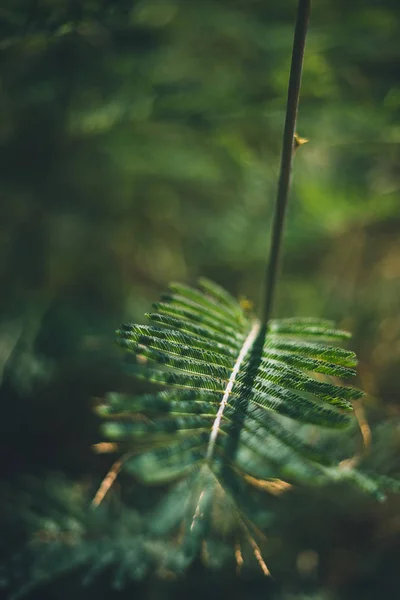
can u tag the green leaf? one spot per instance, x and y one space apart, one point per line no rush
235 401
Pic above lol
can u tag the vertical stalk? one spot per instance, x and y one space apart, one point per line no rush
303 15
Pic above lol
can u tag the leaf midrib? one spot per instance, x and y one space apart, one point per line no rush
246 347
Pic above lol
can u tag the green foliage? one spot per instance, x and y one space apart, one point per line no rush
50 530
139 143
234 391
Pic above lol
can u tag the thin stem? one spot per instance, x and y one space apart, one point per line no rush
303 15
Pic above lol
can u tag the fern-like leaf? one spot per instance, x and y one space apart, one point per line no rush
236 393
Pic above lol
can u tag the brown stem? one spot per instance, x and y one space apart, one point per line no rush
300 34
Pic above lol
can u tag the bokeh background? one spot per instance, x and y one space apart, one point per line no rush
139 144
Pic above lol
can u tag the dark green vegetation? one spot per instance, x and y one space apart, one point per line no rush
224 375
235 393
139 144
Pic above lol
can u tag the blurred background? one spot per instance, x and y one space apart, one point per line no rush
139 144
